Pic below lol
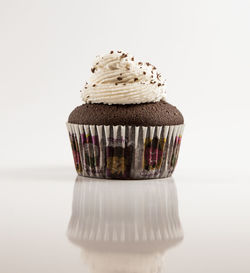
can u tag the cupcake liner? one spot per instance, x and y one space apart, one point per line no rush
125 152
113 216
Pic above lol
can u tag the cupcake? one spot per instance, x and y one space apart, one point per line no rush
125 128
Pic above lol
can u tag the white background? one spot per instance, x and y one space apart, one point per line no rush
201 47
46 51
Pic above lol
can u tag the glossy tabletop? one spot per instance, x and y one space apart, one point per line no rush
55 221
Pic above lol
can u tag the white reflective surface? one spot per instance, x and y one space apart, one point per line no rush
124 226
53 221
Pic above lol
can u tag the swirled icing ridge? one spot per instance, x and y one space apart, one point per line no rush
118 79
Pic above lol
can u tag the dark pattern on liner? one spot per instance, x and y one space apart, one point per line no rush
117 158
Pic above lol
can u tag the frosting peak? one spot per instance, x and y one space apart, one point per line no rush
118 79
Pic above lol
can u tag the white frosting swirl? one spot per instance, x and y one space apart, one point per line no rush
118 79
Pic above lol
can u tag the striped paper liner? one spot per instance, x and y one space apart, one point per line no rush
125 152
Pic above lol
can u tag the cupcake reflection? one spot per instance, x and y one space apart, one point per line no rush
124 226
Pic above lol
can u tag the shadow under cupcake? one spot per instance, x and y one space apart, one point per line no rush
125 129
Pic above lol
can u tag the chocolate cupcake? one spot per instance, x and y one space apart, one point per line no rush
125 129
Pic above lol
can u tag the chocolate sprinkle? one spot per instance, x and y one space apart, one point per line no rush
111 52
94 85
136 79
144 73
124 55
132 59
119 78
93 69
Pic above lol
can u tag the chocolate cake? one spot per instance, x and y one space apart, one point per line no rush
146 114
